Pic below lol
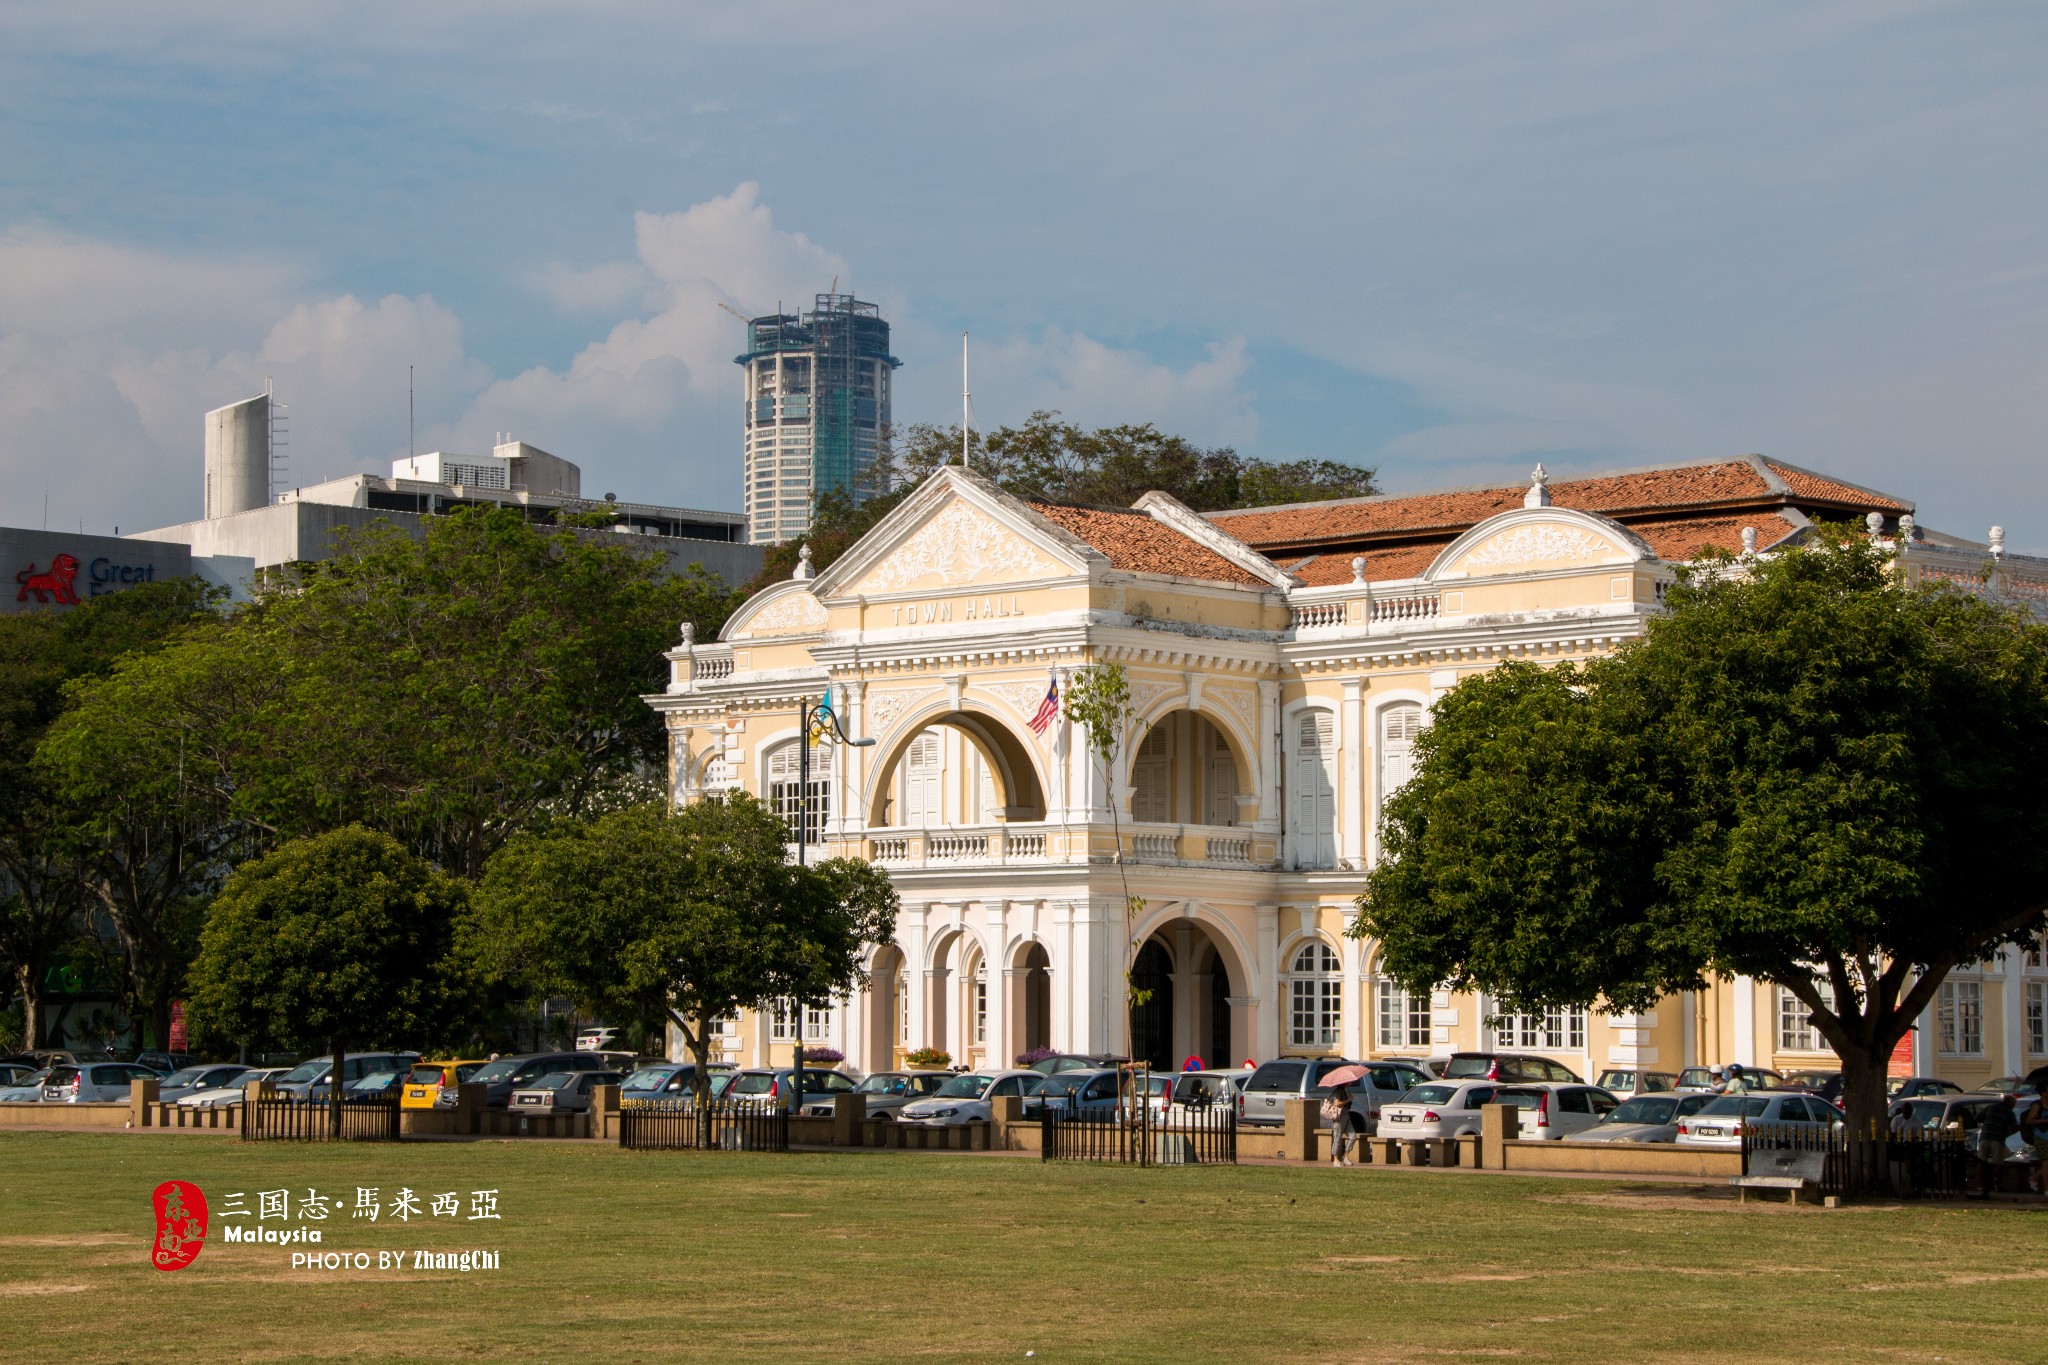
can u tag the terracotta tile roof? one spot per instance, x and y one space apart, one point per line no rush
1819 487
1134 541
1639 499
1686 537
1381 566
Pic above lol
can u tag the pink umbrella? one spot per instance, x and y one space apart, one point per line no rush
1344 1075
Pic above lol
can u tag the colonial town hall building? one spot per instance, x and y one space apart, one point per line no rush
1282 661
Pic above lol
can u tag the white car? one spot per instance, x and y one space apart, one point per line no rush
194 1079
1720 1122
1646 1118
93 1082
1439 1109
232 1093
28 1090
1552 1110
969 1097
1199 1092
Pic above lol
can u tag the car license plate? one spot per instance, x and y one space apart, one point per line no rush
416 1094
1400 1118
1710 1132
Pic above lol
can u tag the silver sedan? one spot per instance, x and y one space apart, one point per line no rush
1645 1118
969 1097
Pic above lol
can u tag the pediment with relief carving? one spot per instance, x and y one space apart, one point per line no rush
959 546
1530 541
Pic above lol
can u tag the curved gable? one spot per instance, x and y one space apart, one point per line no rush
788 608
1538 540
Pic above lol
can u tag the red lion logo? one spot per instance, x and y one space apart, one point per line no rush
180 1224
63 573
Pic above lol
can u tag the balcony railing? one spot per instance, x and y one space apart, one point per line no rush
994 845
1419 606
1396 608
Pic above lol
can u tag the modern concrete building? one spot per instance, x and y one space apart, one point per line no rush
238 457
57 570
1282 662
298 524
815 407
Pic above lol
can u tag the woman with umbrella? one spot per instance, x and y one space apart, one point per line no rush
1337 1113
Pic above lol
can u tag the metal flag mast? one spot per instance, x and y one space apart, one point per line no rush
966 418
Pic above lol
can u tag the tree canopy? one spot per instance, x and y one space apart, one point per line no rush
1048 459
341 939
1805 773
686 916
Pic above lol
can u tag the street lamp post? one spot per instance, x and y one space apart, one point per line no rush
813 723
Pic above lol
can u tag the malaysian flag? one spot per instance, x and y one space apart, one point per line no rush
1048 710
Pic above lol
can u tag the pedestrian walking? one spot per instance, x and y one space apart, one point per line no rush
1337 1113
1999 1123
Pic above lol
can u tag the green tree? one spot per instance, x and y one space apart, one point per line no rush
48 857
686 916
1805 773
1047 459
338 940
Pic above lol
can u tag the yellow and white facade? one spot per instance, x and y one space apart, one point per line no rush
1276 718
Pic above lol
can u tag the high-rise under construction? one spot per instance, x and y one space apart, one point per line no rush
816 406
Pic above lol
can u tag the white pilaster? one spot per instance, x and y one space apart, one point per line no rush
1268 759
1742 1000
1352 800
2013 1037
1266 979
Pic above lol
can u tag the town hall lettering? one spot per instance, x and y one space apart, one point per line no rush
969 609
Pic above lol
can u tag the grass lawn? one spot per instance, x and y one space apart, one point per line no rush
657 1256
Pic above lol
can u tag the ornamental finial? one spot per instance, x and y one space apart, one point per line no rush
1358 568
803 561
1998 542
1539 489
1749 540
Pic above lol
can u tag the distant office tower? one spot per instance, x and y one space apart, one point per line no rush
817 403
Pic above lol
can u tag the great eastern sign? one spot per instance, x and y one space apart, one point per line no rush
50 569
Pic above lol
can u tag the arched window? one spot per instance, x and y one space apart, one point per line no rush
1219 776
1404 1014
978 1001
1315 791
1315 997
1400 724
806 812
1152 778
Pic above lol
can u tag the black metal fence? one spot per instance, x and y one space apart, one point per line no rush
280 1118
1896 1164
722 1125
1144 1137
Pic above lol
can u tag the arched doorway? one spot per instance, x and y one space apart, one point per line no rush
1152 1007
1030 1003
888 1009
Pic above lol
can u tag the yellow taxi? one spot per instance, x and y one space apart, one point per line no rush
426 1080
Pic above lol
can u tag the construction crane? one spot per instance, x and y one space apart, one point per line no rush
735 312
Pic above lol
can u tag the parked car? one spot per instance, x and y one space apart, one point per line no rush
1752 1078
1518 1068
1720 1121
969 1097
1932 1113
768 1088
1646 1118
235 1092
1550 1110
1627 1081
1433 1067
1826 1084
1914 1087
1203 1090
70 1057
27 1089
194 1079
93 1083
309 1080
1437 1109
1070 1092
885 1092
1262 1103
378 1085
165 1062
2020 1088
673 1081
561 1092
426 1080
507 1074
14 1073
1076 1061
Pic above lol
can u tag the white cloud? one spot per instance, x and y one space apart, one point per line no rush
1095 384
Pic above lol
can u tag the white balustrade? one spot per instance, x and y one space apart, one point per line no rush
1408 607
1318 614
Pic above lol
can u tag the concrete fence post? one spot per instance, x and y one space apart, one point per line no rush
1004 1110
469 1107
604 1112
142 1098
849 1112
1298 1130
1499 1124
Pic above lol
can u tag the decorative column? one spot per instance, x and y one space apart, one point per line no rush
1068 980
2013 1037
1269 758
1185 1012
995 967
1062 732
1265 1036
1743 1002
911 931
852 805
1352 801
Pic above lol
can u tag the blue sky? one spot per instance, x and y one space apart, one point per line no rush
1445 241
